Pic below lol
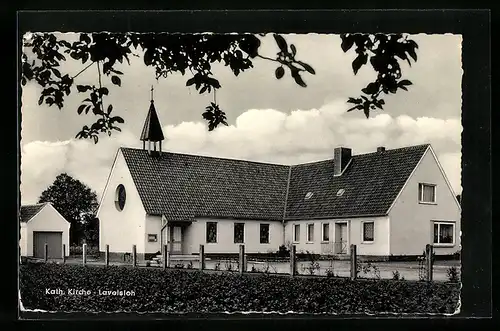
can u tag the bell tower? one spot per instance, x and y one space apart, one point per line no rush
152 134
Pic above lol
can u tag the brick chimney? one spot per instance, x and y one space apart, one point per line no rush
341 158
380 149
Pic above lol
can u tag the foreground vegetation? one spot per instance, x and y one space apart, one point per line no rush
174 291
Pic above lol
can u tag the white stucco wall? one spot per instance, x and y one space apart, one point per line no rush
379 246
195 235
153 226
23 241
121 229
48 219
411 221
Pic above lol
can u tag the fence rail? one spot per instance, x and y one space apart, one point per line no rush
351 267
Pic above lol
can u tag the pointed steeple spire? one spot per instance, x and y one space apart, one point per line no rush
152 132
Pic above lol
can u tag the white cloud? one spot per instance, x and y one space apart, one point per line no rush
258 134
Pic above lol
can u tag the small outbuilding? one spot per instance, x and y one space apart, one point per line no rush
42 224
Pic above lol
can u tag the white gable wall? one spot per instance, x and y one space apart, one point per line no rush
411 221
379 246
121 229
23 242
153 226
47 219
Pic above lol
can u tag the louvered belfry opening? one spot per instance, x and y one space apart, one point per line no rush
152 134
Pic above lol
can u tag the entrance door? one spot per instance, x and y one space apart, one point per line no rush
341 238
53 241
176 239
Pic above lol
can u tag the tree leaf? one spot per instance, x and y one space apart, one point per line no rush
56 72
404 82
371 88
85 38
80 109
117 119
110 109
116 80
83 88
299 80
359 61
308 68
347 42
281 42
280 72
294 49
190 81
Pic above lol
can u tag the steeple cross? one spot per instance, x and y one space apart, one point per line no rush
152 93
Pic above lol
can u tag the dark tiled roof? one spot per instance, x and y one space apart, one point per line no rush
183 186
371 183
152 128
28 211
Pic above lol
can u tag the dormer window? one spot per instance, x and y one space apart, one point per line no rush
308 195
340 192
426 193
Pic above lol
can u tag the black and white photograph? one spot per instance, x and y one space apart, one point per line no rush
277 173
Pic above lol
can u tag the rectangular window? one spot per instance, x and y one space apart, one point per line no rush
239 233
426 193
152 238
211 232
310 232
264 233
326 232
368 231
296 233
444 233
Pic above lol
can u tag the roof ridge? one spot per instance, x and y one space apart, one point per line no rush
34 204
280 164
213 157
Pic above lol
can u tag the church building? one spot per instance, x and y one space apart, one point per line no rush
389 202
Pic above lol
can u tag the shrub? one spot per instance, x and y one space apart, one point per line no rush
78 250
171 290
229 266
190 265
452 274
283 251
330 273
368 269
396 275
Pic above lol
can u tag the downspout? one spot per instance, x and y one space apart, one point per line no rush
163 226
286 202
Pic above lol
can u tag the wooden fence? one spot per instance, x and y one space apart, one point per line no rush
427 258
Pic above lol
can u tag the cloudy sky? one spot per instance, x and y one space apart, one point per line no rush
269 120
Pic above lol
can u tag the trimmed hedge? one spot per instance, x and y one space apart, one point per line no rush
174 291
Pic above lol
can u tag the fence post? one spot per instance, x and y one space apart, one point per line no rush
45 252
164 257
242 262
293 262
64 253
84 253
428 261
202 257
106 256
134 255
354 263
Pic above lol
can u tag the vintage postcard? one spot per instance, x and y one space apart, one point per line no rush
241 173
